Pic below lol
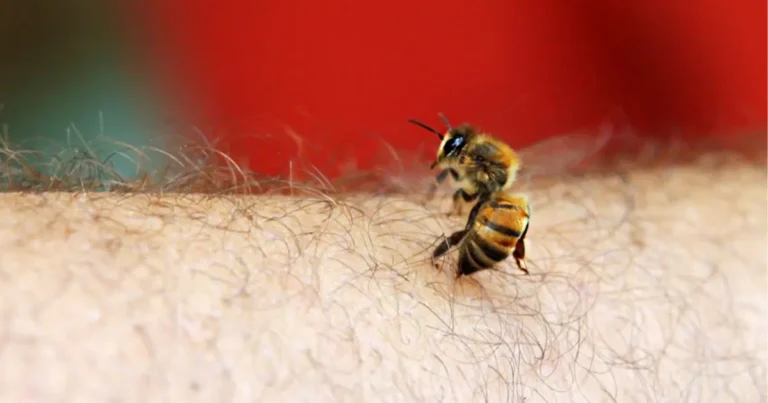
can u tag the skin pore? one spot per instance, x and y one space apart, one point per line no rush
645 285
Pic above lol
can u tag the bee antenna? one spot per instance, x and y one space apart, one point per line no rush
445 120
416 122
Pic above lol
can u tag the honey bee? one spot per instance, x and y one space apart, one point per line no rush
495 229
479 163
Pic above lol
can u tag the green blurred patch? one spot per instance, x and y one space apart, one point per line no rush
67 78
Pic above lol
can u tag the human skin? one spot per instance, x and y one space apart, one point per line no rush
645 285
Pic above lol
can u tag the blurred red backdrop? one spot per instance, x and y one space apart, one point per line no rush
342 74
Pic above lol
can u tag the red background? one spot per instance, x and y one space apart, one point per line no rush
343 74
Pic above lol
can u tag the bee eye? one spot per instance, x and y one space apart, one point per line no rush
453 145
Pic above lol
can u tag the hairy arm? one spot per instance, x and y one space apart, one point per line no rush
644 286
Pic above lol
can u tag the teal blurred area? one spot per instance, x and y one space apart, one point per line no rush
68 78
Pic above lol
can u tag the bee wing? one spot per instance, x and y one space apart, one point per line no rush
559 155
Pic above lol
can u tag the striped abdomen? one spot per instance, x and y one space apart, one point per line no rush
501 223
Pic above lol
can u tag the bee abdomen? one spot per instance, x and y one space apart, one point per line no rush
486 251
504 205
501 229
479 254
468 262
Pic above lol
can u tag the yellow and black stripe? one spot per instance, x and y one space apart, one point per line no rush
496 231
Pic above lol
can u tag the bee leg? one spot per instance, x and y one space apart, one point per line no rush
472 215
459 196
448 243
439 179
438 266
457 206
521 265
519 253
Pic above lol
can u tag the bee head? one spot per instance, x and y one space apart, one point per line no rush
452 142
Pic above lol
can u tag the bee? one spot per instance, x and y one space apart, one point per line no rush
496 228
478 162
